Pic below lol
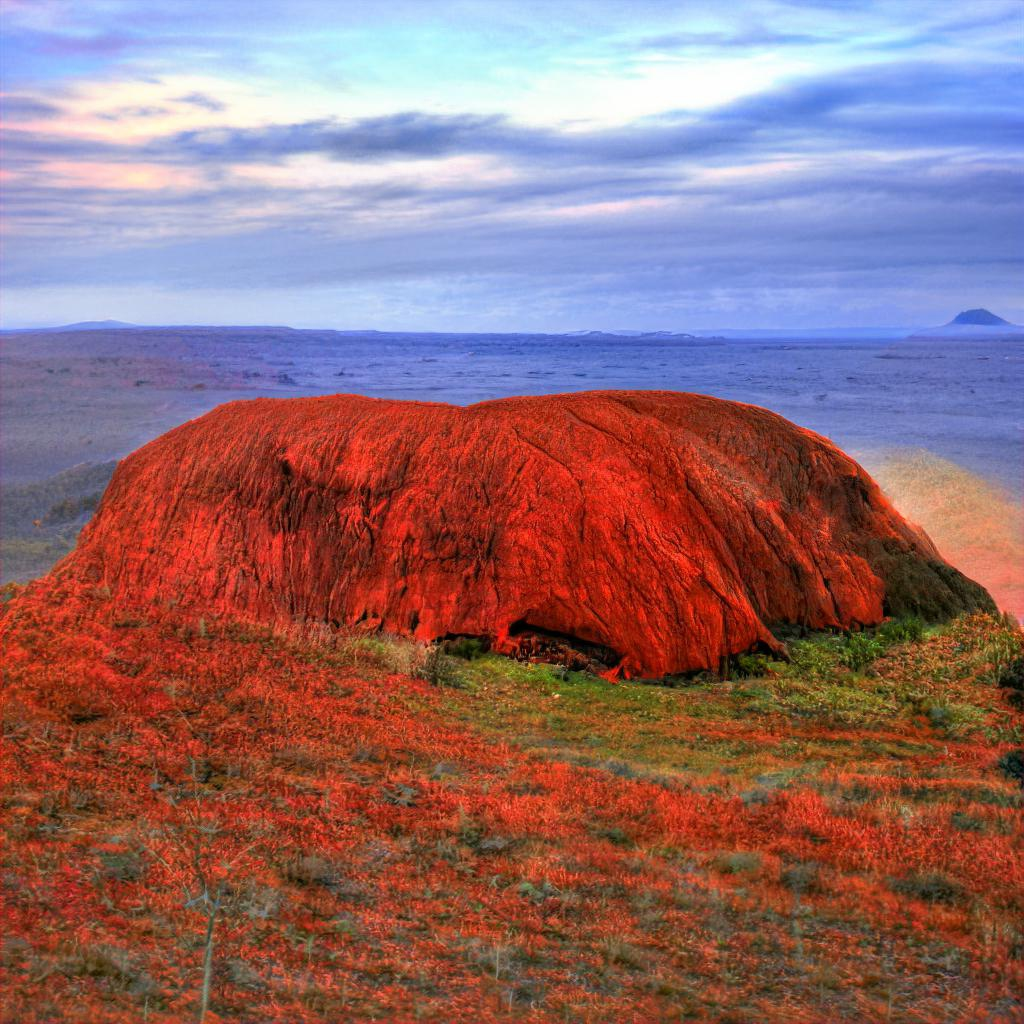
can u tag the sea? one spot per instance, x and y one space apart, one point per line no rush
960 399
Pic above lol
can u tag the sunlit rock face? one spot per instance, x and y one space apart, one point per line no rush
660 531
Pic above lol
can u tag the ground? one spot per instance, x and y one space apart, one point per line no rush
375 832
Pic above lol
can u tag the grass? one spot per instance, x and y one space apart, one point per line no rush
708 725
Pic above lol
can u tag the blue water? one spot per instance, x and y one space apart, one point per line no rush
963 400
77 398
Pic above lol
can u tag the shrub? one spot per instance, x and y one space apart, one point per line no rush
954 719
260 902
310 870
752 666
618 951
438 669
964 822
902 631
537 893
930 886
616 836
381 653
813 658
818 657
999 659
803 876
468 648
1011 674
241 975
109 964
859 650
121 865
294 758
84 706
738 862
1011 764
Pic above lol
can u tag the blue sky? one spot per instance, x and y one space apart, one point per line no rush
486 165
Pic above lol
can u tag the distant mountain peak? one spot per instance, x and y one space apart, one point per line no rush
96 325
979 318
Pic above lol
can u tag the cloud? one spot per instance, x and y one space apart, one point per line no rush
133 113
914 105
865 176
410 134
871 219
26 108
895 170
203 101
24 148
747 39
62 45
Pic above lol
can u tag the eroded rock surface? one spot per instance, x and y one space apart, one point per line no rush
662 530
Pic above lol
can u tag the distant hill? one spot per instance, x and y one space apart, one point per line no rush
597 335
973 323
979 317
96 325
980 323
84 325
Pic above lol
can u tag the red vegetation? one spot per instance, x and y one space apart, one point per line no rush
666 531
363 855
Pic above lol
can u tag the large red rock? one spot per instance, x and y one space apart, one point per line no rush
671 530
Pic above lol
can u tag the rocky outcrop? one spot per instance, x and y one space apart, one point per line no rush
660 532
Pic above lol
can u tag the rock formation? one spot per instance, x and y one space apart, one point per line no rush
661 532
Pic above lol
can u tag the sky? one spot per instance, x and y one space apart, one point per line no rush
510 165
